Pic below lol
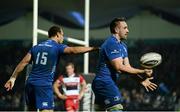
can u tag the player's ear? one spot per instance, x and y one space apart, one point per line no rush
116 30
57 34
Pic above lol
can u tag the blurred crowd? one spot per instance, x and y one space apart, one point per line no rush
166 75
141 100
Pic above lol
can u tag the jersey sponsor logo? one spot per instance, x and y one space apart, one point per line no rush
47 45
114 51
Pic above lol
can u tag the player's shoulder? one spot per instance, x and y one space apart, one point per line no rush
60 77
63 45
44 43
79 75
113 40
34 48
110 40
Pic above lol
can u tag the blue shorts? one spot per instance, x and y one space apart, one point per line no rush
39 97
107 94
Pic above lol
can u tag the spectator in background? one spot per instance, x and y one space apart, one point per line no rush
73 86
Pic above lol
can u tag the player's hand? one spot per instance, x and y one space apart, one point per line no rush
149 85
96 48
10 84
63 97
148 72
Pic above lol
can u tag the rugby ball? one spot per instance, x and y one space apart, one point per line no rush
150 60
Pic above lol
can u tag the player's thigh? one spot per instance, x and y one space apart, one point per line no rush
30 97
44 97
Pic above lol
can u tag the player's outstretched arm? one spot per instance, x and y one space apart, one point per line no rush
77 50
10 83
122 65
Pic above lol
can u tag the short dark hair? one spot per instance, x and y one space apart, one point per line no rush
113 23
53 31
70 64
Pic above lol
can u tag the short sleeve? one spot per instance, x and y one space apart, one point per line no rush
113 50
81 79
31 50
60 80
61 48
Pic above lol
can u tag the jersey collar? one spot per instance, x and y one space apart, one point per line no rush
72 75
118 41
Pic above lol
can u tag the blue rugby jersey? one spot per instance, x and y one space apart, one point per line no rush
45 57
110 50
